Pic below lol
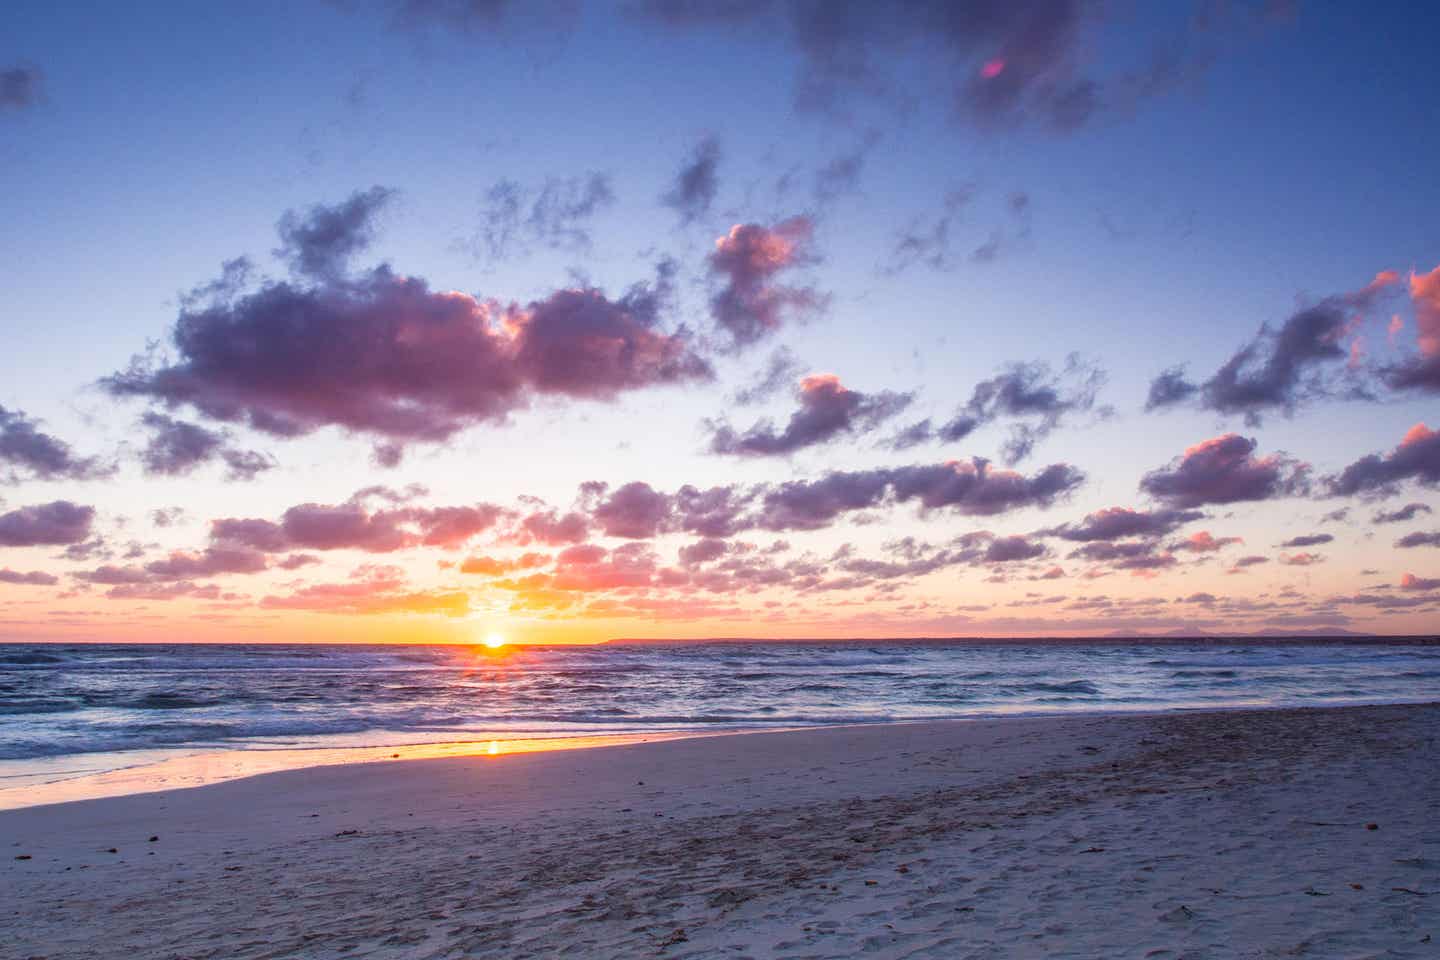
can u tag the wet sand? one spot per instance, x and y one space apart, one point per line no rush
1311 832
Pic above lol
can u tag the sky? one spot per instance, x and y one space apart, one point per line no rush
566 321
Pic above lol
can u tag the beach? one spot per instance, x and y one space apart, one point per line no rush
1308 832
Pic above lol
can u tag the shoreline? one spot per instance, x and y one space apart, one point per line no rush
1222 833
186 768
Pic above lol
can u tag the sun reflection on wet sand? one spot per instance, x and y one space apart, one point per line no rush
169 772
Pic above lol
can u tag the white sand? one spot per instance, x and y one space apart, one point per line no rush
1239 834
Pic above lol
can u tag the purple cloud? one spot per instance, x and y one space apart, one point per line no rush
1416 458
697 182
176 448
1224 470
751 305
828 409
383 355
34 578
48 524
28 454
19 88
1403 515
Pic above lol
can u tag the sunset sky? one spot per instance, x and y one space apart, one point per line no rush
423 320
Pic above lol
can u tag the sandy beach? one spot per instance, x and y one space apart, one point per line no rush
1234 834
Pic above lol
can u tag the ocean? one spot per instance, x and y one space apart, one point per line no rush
58 701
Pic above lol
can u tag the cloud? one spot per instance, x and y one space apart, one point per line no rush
180 565
320 243
1169 388
34 578
19 88
28 454
1404 514
1030 391
495 567
697 182
551 528
48 524
827 410
971 488
635 511
994 65
372 590
750 305
1254 560
385 356
1116 523
1203 542
1411 582
515 219
1423 371
779 371
1301 559
1308 540
176 448
1279 369
1416 458
1224 469
841 174
353 525
1418 539
1133 555
927 241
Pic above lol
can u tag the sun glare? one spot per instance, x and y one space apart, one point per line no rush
494 641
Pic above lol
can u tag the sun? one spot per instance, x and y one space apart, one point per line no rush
494 641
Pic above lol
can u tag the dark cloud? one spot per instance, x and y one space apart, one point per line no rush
28 454
1403 515
1025 391
1224 470
34 578
1308 540
1280 369
384 355
995 63
1253 560
1117 523
1133 555
1418 539
176 448
320 243
1013 548
19 88
515 219
1169 389
697 182
827 410
751 305
971 488
1416 458
48 524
